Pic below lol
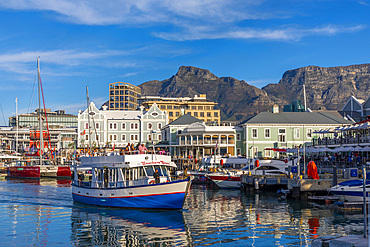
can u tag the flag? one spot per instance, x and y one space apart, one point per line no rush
83 132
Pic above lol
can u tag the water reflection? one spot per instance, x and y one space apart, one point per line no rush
42 213
260 219
115 227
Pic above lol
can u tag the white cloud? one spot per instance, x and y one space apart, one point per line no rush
282 34
97 12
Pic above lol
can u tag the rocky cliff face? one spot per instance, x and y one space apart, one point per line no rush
234 97
326 88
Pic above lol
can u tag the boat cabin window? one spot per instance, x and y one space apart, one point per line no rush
267 168
149 170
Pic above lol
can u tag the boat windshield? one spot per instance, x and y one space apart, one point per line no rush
162 170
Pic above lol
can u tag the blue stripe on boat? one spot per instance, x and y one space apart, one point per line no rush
167 201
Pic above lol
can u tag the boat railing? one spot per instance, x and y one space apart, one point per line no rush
101 184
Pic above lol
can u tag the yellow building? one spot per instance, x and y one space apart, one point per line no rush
198 107
123 96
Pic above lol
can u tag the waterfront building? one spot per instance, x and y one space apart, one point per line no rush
123 96
356 109
198 107
19 140
116 128
58 118
199 140
274 130
171 130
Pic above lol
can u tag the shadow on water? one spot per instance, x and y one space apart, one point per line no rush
99 226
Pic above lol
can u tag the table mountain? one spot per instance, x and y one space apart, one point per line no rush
234 97
326 88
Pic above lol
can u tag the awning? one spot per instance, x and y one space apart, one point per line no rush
276 149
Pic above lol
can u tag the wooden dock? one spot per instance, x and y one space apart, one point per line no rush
298 188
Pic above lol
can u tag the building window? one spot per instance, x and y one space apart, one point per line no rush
134 126
215 114
238 136
123 138
254 152
123 126
170 114
86 125
309 133
86 137
169 107
150 126
202 114
159 126
97 138
296 133
238 151
195 114
97 126
159 137
149 137
200 107
267 152
267 133
254 133
208 114
163 107
113 137
177 114
281 135
134 137
193 107
112 126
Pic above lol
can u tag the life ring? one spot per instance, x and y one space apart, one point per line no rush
285 160
151 182
256 163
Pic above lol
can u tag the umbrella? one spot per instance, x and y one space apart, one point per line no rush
366 149
363 126
358 149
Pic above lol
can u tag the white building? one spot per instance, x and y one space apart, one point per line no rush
117 128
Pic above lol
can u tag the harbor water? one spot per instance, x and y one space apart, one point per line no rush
42 213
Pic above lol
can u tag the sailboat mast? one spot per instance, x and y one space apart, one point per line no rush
40 115
88 116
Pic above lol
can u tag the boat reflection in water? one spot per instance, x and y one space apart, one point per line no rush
97 226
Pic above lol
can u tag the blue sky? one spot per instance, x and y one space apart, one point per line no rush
96 42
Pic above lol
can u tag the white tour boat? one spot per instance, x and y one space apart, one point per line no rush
127 181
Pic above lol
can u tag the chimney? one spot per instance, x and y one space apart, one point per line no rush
104 107
275 109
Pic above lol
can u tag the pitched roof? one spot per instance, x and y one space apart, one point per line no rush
185 120
297 118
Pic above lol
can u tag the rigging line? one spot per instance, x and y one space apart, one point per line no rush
2 113
46 118
31 99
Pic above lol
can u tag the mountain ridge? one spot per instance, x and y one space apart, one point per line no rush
326 88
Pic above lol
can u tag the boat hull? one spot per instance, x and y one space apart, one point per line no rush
39 171
162 196
226 182
351 191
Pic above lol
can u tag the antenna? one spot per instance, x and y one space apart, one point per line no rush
304 97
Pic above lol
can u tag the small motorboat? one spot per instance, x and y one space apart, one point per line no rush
351 190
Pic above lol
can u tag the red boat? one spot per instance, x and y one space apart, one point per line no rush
30 169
